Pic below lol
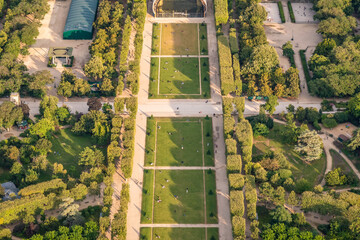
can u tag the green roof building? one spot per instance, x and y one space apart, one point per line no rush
79 22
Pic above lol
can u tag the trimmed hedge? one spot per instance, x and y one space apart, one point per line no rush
234 47
305 67
240 106
237 75
125 41
229 123
281 11
234 163
238 224
230 146
221 11
291 12
236 181
118 226
10 211
42 187
225 63
225 59
227 106
237 203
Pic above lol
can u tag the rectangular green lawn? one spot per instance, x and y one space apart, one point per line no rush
178 197
66 148
179 78
155 39
203 39
179 39
179 233
172 204
179 142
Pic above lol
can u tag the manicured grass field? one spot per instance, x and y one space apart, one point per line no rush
178 142
312 172
179 78
155 44
339 162
203 39
178 196
179 233
66 147
179 39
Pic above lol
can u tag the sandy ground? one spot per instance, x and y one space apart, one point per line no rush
346 129
303 12
50 35
273 12
14 132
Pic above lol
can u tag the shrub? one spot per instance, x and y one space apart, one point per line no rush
234 163
221 12
43 187
281 11
317 126
229 123
225 62
236 181
238 224
233 41
230 146
341 117
329 122
291 12
237 203
335 177
237 74
227 106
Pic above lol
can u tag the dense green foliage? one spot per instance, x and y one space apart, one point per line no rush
291 12
225 62
20 29
335 61
221 12
281 12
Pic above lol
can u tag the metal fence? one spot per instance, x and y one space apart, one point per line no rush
179 15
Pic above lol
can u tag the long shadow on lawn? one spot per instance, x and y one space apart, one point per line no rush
186 141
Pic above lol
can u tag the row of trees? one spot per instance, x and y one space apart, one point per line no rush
138 14
114 27
104 49
19 32
239 137
335 61
120 152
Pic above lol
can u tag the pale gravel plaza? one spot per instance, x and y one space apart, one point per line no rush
272 10
304 13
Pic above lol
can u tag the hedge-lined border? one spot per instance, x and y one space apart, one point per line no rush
281 12
305 68
291 12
